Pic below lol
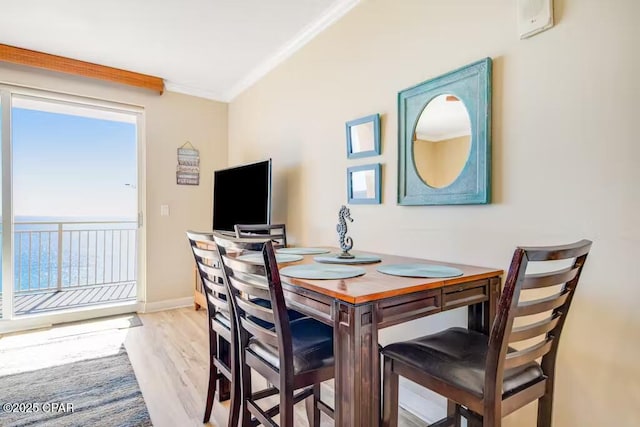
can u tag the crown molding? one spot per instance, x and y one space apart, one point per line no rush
194 91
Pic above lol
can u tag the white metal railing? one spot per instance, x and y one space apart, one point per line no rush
68 255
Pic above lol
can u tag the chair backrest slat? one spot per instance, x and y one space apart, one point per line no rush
216 286
238 244
219 303
249 288
533 330
208 259
543 280
209 266
262 334
528 308
522 357
572 250
207 253
256 310
500 357
242 266
276 232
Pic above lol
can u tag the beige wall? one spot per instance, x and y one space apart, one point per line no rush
171 119
565 155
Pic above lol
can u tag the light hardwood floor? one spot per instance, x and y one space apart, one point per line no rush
169 356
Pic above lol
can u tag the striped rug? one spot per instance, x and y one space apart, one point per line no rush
94 392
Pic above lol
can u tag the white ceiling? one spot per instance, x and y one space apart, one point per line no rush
209 48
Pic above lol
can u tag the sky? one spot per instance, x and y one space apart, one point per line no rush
71 166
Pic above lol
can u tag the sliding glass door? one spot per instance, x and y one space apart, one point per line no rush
70 199
6 294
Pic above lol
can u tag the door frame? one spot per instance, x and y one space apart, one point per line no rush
9 322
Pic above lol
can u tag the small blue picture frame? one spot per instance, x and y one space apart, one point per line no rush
363 137
364 184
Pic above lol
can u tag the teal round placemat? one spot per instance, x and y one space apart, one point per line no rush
302 251
259 259
358 259
319 271
420 270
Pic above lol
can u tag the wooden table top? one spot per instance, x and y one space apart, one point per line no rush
374 285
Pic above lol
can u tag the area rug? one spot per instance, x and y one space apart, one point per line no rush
101 391
63 344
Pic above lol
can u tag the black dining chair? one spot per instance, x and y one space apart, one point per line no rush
222 341
277 232
221 338
291 354
483 377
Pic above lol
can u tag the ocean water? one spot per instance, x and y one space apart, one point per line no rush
89 251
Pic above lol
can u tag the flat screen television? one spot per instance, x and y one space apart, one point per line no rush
242 195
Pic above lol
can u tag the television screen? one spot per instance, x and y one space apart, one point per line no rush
242 195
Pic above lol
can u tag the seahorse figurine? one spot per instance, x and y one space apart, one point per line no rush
346 243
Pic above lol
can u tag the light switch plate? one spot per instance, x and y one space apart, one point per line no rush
534 16
164 210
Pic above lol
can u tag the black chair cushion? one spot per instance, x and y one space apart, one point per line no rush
457 357
312 344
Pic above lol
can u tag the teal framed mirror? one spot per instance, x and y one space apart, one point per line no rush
363 137
444 139
363 184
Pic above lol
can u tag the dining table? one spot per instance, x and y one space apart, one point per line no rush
359 307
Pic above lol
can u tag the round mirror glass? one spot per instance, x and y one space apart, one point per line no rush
442 141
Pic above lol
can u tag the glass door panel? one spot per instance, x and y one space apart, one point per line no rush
74 172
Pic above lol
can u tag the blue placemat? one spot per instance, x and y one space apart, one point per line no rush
358 259
319 271
420 270
302 251
259 259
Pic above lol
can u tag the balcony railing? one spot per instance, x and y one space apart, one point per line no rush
56 256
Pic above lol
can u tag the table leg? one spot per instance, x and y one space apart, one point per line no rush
357 369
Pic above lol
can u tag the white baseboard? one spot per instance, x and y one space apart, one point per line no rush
150 307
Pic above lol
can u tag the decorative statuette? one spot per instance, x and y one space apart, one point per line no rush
346 243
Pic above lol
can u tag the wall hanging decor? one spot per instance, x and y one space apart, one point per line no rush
444 139
188 169
364 184
363 137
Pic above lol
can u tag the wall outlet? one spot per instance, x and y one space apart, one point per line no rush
164 210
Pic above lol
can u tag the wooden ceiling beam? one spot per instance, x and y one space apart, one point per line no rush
31 58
